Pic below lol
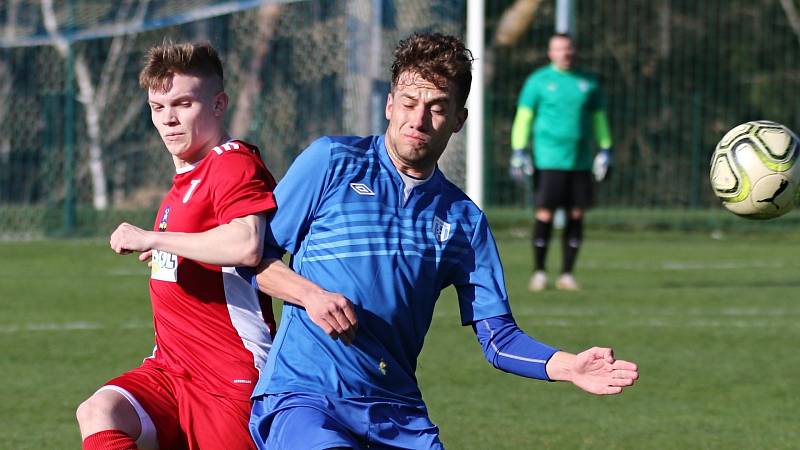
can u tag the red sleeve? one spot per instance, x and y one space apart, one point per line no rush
242 185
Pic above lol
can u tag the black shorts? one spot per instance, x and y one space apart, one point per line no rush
554 189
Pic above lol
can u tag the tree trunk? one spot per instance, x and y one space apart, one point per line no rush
267 19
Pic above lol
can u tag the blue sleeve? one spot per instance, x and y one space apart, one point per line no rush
481 286
297 196
509 349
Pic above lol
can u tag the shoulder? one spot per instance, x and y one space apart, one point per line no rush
334 145
590 77
331 152
345 151
459 204
533 78
234 155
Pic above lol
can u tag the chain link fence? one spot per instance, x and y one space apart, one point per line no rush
78 153
77 150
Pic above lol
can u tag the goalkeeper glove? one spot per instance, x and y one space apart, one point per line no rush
520 165
601 167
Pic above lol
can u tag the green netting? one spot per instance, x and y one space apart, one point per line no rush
678 74
77 150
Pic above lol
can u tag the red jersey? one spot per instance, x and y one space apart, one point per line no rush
210 324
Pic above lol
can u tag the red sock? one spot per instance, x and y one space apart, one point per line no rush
109 440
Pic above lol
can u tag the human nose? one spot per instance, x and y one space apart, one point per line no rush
417 117
169 116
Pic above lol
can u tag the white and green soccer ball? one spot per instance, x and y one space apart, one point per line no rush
755 170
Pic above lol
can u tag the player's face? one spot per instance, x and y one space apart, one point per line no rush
188 116
561 52
422 117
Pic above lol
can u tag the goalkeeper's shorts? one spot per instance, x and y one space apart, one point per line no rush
554 189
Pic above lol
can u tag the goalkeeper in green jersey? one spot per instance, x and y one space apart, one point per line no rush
561 107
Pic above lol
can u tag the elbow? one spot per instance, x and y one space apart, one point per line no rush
251 256
250 252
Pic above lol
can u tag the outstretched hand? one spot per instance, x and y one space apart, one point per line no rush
596 371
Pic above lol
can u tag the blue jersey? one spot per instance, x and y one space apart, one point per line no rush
343 216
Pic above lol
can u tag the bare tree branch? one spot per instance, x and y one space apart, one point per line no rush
120 123
5 94
792 16
515 20
11 19
267 19
86 95
112 74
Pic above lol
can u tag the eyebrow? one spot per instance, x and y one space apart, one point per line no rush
179 99
439 99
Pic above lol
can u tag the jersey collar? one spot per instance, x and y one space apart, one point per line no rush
383 154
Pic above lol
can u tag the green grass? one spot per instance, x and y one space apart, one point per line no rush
713 324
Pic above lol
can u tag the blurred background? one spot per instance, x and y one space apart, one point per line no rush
78 152
704 301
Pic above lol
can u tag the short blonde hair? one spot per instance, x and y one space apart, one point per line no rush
163 61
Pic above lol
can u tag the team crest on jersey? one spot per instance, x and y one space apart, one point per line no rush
552 87
583 85
441 229
361 189
162 225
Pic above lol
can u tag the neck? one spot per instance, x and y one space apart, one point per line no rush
413 171
197 156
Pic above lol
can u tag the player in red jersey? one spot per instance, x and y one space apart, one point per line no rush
212 330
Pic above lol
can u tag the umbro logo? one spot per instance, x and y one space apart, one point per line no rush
361 189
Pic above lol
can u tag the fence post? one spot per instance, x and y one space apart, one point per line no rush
69 144
696 142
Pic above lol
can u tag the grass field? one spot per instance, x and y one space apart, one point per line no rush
714 325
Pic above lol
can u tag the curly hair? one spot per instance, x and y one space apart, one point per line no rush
438 58
163 61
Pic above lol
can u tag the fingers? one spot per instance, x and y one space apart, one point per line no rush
335 315
128 238
624 365
144 256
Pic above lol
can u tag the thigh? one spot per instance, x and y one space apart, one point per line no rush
212 422
581 190
402 426
550 189
292 421
151 392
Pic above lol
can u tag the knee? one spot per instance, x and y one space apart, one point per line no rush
104 411
95 411
544 215
576 214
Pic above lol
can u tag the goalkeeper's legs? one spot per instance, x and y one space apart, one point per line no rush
571 244
542 230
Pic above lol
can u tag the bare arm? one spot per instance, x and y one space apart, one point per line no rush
330 311
594 370
238 243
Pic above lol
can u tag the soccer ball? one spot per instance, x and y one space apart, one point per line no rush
755 170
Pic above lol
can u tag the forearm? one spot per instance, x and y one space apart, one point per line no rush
602 131
508 348
278 280
521 128
237 243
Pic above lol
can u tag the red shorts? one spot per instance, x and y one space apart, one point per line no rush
184 415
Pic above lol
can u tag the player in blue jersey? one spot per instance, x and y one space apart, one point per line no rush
376 231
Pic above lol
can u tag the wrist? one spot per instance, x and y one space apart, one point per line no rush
559 367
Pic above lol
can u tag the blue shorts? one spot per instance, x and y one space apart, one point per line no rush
315 422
